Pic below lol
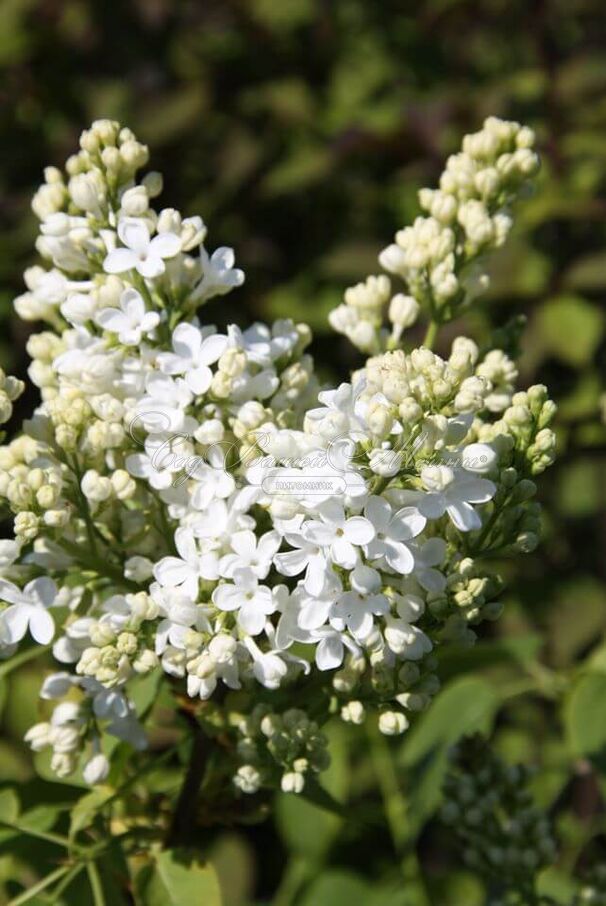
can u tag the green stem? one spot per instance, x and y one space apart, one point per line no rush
431 334
22 658
48 837
83 507
184 819
32 892
102 568
396 812
141 285
67 880
95 884
295 875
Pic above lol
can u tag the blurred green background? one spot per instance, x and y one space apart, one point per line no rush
301 130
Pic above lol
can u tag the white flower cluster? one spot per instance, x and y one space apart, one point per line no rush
437 257
187 502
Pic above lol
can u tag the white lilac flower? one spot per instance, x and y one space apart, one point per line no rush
163 408
428 555
253 602
29 610
185 571
392 532
262 344
131 321
250 552
193 351
331 648
221 519
338 418
180 615
140 251
211 479
307 556
338 535
219 275
165 457
358 607
404 638
68 648
454 492
9 552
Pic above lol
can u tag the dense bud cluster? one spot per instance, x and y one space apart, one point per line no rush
503 835
189 502
278 750
438 257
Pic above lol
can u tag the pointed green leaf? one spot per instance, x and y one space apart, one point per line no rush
178 877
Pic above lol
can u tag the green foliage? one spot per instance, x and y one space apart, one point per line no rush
176 877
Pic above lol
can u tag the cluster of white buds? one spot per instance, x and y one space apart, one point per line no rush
11 389
503 835
467 216
63 734
278 748
360 316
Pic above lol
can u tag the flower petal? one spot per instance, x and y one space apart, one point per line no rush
199 379
464 516
112 319
399 557
251 619
165 245
329 653
151 267
212 349
41 625
16 618
358 530
119 260
134 233
187 341
378 511
41 591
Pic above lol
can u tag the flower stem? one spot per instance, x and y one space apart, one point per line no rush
431 334
184 819
396 812
32 892
95 884
22 658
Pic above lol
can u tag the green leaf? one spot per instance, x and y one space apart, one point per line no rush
472 699
87 808
585 715
317 795
233 859
587 273
466 705
514 651
337 888
143 692
554 883
570 329
9 805
178 877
